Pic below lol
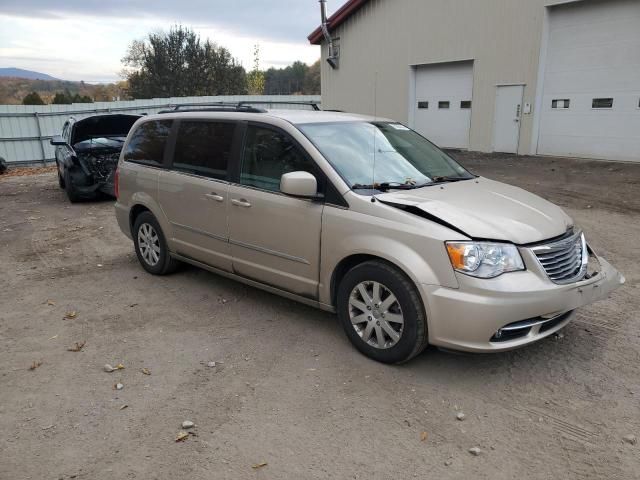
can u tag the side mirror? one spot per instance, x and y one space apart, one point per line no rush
299 184
58 141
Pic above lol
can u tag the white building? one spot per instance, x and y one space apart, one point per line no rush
541 77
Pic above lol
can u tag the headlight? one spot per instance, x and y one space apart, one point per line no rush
484 260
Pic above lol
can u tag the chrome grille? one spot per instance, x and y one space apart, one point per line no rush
564 261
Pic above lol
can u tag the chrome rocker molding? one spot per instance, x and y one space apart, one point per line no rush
253 283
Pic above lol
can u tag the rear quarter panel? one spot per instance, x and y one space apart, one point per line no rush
139 186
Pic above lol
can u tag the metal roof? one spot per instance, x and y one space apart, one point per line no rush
338 18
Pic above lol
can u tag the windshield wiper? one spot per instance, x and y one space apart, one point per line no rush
386 186
450 179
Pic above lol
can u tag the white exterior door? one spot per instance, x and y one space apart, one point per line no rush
506 125
442 103
591 99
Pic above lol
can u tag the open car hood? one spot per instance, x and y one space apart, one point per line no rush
485 209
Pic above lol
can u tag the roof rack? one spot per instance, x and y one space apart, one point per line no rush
214 107
243 106
312 104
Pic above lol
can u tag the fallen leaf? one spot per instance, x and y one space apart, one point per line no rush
260 465
35 365
182 436
51 302
123 407
54 337
146 371
424 436
77 347
70 315
119 367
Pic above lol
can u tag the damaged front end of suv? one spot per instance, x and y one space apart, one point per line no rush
87 154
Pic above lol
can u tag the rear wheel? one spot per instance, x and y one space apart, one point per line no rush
382 313
151 246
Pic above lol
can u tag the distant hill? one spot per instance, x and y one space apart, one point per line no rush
13 90
28 74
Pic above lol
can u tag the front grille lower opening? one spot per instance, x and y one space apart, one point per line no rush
507 335
554 322
521 329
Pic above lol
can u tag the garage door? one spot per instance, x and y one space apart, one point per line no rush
442 108
591 99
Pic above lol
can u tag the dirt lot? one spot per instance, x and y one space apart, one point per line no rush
288 389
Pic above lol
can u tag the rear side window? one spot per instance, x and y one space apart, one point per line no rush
268 155
204 148
147 143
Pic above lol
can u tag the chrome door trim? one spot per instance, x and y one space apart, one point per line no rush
201 232
269 252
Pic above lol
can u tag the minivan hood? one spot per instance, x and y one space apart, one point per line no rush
485 209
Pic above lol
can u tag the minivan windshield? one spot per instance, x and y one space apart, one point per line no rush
383 155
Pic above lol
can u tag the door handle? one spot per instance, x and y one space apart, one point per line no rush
240 203
214 196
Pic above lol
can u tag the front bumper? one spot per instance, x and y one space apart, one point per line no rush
468 318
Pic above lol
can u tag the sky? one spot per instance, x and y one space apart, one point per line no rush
86 39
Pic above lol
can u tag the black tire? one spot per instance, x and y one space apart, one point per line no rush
413 339
60 179
72 193
165 263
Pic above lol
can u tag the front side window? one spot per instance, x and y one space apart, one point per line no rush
147 143
65 132
269 154
375 154
204 148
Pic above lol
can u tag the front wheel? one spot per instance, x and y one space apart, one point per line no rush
382 313
60 179
72 193
151 245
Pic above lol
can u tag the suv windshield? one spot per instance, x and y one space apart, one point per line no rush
382 155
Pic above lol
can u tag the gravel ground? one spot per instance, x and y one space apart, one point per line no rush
288 390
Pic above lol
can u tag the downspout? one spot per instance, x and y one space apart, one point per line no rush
332 58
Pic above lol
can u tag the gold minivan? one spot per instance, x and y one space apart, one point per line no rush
358 216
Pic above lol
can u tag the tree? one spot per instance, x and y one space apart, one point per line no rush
295 79
178 63
67 98
255 78
312 80
32 99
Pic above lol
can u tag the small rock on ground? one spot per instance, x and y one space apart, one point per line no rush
630 439
188 424
461 416
475 451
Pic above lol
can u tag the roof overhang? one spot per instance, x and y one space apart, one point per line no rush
337 19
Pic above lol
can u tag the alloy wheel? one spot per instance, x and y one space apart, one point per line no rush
376 315
149 244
